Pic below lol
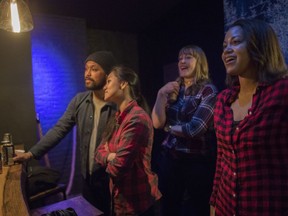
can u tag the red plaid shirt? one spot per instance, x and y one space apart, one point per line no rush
133 185
252 165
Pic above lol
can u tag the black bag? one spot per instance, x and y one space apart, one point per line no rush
66 212
41 178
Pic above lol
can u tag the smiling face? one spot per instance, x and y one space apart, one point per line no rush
94 75
235 54
113 90
186 65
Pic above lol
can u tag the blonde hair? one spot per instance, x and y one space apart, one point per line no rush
201 68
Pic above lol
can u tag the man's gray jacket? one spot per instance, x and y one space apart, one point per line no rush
80 112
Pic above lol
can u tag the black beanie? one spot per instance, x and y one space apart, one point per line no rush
104 58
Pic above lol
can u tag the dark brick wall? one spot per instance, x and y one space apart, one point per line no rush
58 52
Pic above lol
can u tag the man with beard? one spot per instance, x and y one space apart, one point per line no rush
89 112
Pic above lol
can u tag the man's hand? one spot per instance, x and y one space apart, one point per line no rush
20 157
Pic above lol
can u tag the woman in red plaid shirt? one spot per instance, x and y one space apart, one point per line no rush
251 123
126 147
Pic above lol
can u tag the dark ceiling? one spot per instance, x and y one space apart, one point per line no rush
117 15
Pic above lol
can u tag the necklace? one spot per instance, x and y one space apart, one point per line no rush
187 82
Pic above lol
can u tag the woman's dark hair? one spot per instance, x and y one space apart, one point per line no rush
131 77
264 49
201 68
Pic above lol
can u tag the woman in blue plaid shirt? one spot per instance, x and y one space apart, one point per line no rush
187 161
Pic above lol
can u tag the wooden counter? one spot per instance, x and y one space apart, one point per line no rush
12 201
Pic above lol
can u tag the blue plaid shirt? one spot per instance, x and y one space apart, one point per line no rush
195 115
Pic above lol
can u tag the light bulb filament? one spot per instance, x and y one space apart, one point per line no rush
15 17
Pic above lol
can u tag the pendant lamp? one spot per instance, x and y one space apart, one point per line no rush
15 16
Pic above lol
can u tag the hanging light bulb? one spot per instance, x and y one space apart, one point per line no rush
15 21
15 16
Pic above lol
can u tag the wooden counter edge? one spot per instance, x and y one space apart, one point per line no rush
14 202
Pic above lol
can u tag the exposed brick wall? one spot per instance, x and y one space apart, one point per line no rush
58 51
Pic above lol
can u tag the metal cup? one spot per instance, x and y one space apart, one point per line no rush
7 137
172 97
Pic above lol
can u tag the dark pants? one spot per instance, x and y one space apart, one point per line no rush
186 184
95 189
153 210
